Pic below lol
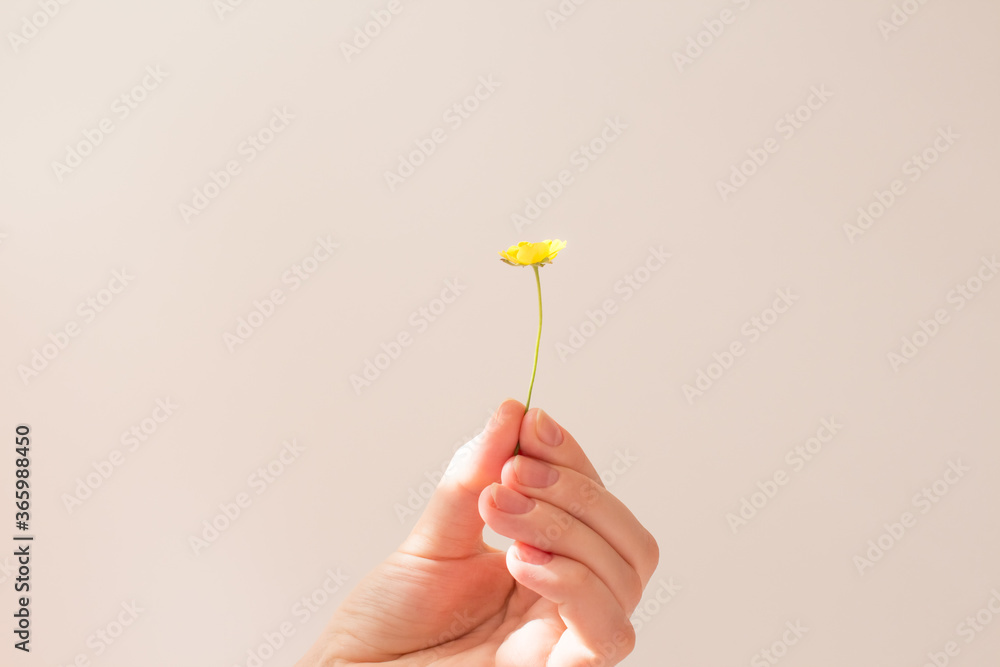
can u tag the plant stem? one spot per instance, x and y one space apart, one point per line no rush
538 340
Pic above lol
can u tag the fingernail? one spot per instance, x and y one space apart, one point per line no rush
547 429
500 415
509 500
529 554
532 472
495 419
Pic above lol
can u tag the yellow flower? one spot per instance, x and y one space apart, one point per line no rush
534 255
526 253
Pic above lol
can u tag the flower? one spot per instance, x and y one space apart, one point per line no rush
533 255
526 253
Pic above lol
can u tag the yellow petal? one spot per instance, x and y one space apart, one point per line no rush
533 253
527 253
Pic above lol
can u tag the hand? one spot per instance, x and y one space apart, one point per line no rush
561 596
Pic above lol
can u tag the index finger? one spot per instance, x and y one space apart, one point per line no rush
541 437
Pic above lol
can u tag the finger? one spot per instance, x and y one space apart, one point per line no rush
589 502
549 528
599 630
542 438
451 526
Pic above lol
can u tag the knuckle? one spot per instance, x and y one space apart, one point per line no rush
578 576
634 590
652 552
615 647
626 636
588 493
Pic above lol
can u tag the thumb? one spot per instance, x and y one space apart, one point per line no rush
451 526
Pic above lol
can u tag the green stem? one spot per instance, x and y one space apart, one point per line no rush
538 341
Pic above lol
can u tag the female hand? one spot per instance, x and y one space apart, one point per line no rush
561 596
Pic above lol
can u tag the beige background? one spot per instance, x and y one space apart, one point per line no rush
681 465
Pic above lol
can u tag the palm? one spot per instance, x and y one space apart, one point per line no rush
466 611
